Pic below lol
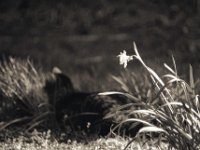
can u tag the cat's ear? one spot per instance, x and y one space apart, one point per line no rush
61 79
56 70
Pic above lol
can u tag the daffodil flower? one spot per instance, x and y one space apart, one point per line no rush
124 59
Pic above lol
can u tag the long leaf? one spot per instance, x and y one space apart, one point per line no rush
152 129
131 97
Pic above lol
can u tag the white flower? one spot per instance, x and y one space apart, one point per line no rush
124 59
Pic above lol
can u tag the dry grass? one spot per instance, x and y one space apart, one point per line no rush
23 98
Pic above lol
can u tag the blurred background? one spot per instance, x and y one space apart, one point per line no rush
82 36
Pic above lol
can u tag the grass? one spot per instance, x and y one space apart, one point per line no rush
173 111
167 106
45 140
23 99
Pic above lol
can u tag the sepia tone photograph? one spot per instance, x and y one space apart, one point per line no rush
99 75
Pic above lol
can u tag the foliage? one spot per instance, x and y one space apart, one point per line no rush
22 95
166 104
173 111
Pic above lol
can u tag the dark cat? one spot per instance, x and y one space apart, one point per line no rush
82 110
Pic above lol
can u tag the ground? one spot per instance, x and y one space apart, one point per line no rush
84 37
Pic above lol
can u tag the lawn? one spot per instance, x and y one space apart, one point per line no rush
83 39
39 141
166 105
